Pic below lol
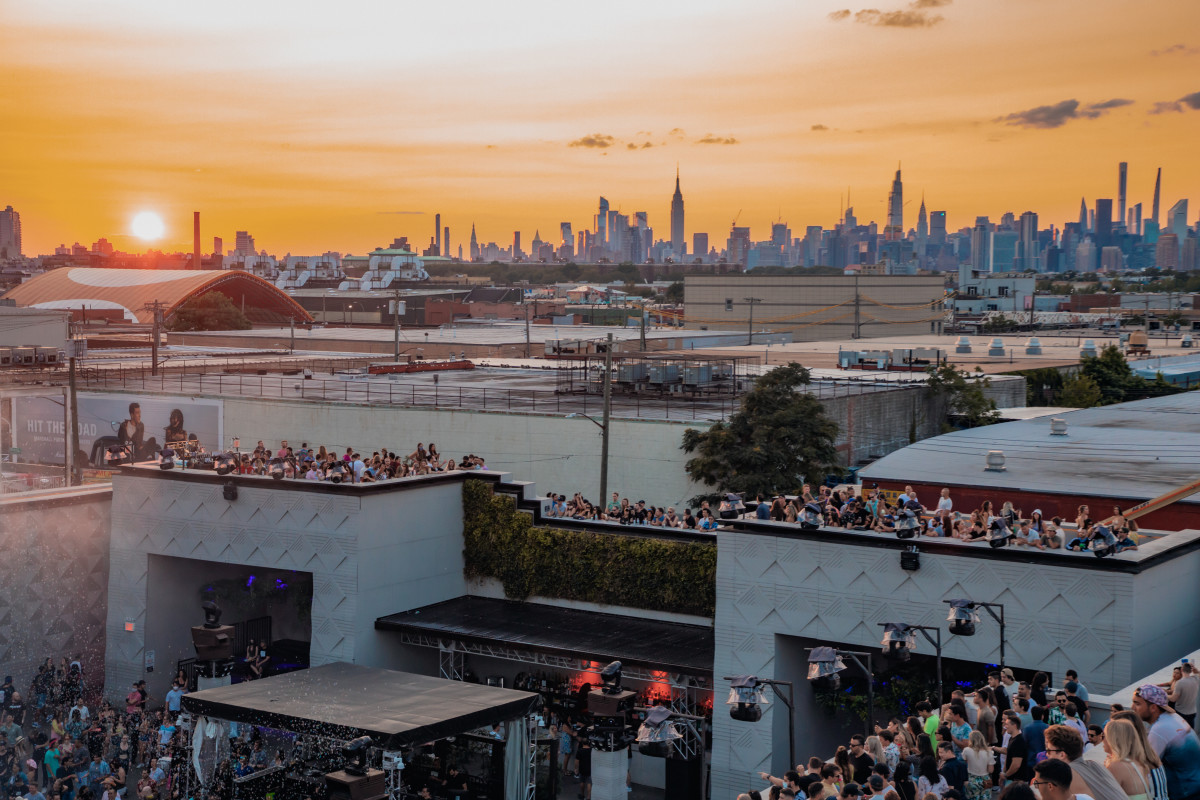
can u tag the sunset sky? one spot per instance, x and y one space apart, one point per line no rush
338 126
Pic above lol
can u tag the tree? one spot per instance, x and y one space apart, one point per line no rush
1116 381
674 292
570 271
1080 392
212 311
778 438
964 394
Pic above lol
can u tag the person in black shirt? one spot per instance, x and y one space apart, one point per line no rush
1016 761
861 762
584 765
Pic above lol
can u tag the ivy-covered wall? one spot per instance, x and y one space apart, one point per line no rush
609 568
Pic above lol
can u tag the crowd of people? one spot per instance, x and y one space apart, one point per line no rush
872 511
1019 740
324 464
54 746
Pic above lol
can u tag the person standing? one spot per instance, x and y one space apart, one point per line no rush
1173 741
1183 694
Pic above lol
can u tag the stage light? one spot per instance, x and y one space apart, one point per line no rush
811 517
655 735
610 678
998 535
747 698
962 618
355 753
824 664
275 468
1104 552
166 459
225 463
212 640
229 491
212 614
899 640
118 454
336 473
910 559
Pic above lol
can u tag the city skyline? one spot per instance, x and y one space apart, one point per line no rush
501 122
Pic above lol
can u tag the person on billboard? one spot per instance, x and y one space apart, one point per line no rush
174 433
133 432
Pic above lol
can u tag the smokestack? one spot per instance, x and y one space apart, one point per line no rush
1157 194
195 240
437 232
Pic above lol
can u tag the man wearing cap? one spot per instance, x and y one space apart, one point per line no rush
1172 739
851 791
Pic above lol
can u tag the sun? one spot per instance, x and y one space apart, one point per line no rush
147 226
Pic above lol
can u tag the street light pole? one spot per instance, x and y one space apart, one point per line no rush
999 621
936 641
396 327
604 428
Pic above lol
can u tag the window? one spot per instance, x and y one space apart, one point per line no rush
1002 291
972 291
729 304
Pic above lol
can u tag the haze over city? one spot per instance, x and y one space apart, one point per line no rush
318 130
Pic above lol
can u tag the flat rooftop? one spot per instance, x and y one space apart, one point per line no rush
1059 349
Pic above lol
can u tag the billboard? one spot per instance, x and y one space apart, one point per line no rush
108 419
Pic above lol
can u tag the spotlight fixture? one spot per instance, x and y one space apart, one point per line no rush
118 454
747 698
610 678
962 617
655 735
229 491
212 640
166 459
355 753
999 535
212 614
275 468
899 640
225 463
337 473
910 558
824 664
811 517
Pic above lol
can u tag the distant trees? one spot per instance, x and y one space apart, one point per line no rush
964 395
208 312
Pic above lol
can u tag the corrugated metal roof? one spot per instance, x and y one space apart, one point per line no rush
1132 450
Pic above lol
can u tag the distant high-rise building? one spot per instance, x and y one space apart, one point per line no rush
678 242
700 246
1027 245
1177 222
1122 179
474 243
218 244
1087 255
1112 259
516 247
738 245
567 239
1166 251
1157 196
10 233
1084 227
895 221
437 232
1137 219
812 245
1102 230
981 245
780 234
446 241
922 231
602 223
937 227
243 244
1190 257
850 221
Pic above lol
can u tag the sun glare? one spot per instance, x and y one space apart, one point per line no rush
147 226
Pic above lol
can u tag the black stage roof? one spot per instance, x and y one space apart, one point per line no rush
345 701
591 635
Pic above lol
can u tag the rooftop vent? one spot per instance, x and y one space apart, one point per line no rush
963 345
1058 427
995 461
996 348
1033 347
1088 348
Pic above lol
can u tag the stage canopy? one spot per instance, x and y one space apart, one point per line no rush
345 701
591 635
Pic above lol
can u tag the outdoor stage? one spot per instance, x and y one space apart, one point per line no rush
410 721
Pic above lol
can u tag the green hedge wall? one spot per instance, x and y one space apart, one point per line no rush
611 569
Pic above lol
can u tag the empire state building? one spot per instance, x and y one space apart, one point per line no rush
677 240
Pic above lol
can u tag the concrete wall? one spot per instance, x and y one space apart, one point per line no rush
372 551
54 580
888 305
1104 618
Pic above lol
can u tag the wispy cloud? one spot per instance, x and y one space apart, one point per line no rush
1176 49
601 141
819 127
1191 101
710 139
1059 114
916 14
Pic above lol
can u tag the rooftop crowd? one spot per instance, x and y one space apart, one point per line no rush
1017 740
872 511
325 464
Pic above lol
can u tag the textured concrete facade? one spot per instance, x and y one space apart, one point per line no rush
54 574
1104 618
372 550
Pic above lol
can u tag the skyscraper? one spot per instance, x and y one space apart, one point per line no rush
437 232
937 227
568 238
981 245
516 250
1157 195
1102 230
244 244
678 243
10 233
474 243
446 241
1177 222
895 221
602 223
1083 216
700 246
922 231
1027 245
1137 219
1122 175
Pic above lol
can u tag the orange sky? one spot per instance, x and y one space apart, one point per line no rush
311 125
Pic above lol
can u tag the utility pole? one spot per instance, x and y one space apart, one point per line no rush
528 351
396 325
857 322
292 341
157 307
73 431
604 427
751 301
643 329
